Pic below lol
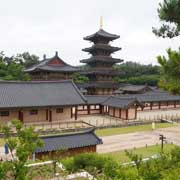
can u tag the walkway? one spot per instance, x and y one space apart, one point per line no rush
138 139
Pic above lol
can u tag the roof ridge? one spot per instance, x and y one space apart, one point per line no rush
89 130
36 82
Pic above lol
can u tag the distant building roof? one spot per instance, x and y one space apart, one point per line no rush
54 64
135 88
39 93
69 141
102 33
96 99
153 97
120 102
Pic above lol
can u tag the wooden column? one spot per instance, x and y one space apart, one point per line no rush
47 112
159 105
174 104
113 111
126 114
151 104
88 109
50 116
120 113
71 112
100 106
21 116
135 111
76 113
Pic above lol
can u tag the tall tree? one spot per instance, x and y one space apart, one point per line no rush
169 14
170 71
26 59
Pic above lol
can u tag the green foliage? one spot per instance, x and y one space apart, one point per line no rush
170 71
169 14
26 59
12 68
166 167
77 78
20 149
138 74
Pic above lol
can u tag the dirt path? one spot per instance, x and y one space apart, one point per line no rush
138 139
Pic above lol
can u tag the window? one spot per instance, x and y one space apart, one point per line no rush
59 110
4 113
33 112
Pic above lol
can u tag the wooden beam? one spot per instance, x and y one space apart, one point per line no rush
135 111
47 111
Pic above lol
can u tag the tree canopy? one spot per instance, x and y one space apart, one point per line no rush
170 71
12 68
136 73
169 15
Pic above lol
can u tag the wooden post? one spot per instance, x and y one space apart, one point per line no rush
174 104
21 116
88 108
114 111
151 104
71 112
50 116
135 111
126 114
159 105
120 113
100 106
47 114
76 113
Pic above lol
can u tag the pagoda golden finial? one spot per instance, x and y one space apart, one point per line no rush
101 22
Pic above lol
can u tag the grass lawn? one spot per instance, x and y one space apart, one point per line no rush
130 129
145 152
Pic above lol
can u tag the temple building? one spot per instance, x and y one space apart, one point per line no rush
101 72
51 69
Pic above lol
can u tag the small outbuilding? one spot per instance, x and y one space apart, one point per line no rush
68 144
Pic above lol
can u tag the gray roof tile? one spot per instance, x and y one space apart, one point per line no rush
69 141
36 94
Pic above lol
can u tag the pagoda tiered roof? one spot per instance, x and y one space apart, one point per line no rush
102 72
54 64
106 59
100 46
103 34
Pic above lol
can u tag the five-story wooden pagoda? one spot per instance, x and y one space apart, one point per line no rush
101 73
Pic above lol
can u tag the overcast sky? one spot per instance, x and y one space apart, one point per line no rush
45 26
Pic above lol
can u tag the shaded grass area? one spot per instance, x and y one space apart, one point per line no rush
130 129
144 152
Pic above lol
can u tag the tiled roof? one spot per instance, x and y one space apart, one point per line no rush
120 102
134 88
106 59
153 97
37 94
108 85
96 99
45 65
102 33
103 47
69 141
102 72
